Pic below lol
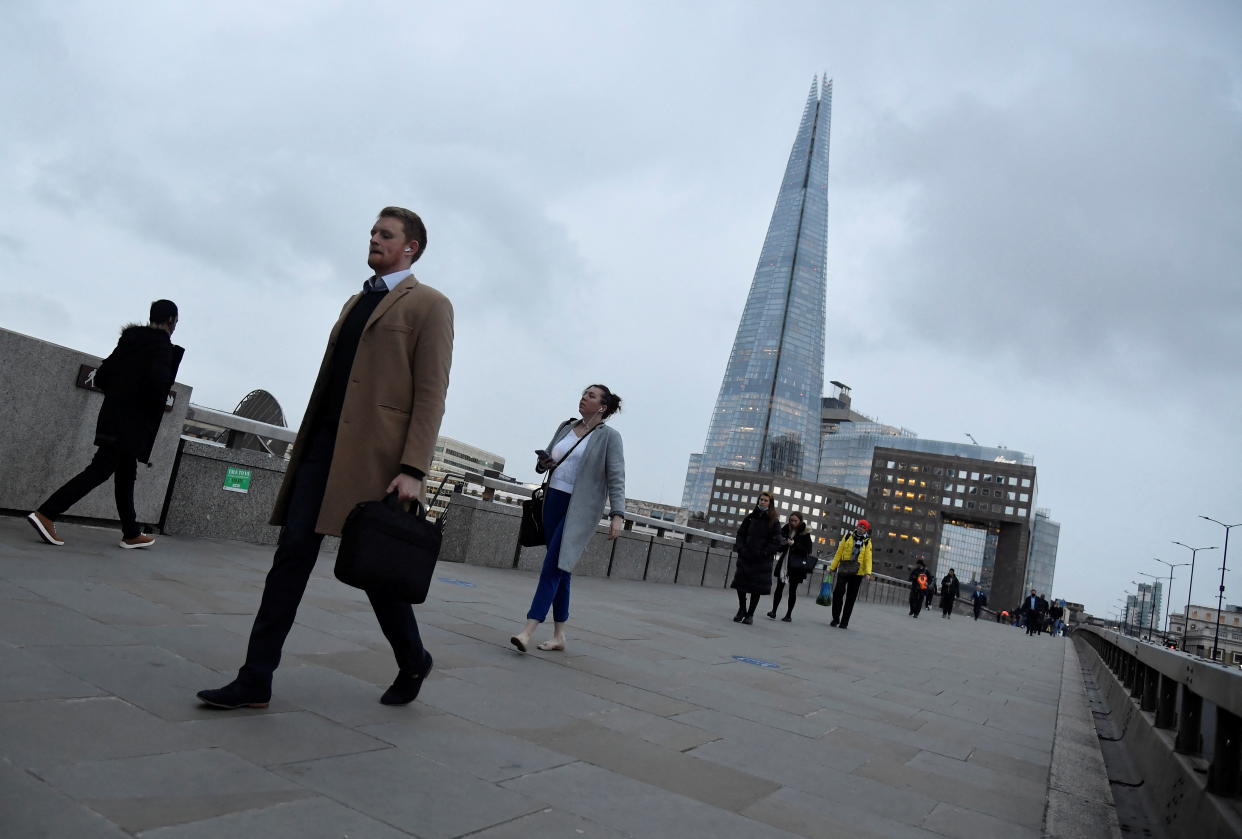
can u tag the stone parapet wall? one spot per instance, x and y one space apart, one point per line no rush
200 506
47 431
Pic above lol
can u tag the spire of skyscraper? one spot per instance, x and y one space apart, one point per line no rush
767 414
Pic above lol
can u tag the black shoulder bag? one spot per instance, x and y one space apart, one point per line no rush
530 533
387 548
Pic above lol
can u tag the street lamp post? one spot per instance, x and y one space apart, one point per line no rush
1220 596
1190 588
1151 618
1168 596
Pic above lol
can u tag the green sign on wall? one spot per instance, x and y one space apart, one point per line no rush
237 479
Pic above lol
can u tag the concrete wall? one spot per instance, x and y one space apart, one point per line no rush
479 532
200 506
1173 784
47 431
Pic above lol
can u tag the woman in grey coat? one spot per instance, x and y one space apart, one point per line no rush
588 470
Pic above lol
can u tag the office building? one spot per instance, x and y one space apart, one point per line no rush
828 511
968 514
767 413
1041 565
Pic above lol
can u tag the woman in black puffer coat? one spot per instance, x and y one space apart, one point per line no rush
790 568
758 539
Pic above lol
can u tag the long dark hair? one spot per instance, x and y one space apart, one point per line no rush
773 516
801 523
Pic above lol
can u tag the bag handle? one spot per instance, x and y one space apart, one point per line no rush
416 506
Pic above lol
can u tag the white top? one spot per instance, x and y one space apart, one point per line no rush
567 473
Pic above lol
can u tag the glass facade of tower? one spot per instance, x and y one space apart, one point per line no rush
1041 565
767 414
970 551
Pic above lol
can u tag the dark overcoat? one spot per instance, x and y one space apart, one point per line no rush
136 379
801 547
758 540
949 590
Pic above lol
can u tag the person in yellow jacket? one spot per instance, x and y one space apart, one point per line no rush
852 563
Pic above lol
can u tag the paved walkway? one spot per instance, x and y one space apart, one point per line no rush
664 718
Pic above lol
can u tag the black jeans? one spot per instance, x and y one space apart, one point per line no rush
108 461
916 602
844 591
292 564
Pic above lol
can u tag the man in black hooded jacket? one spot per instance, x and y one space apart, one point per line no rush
135 379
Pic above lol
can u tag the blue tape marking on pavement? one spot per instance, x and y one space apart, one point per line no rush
758 662
453 582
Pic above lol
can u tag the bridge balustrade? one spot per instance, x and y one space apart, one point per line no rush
1198 700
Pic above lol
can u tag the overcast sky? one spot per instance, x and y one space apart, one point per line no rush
1035 230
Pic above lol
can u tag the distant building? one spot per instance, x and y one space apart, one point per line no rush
828 511
1041 566
453 457
1145 610
767 413
1202 631
969 514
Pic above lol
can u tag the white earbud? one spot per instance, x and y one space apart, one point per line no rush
407 250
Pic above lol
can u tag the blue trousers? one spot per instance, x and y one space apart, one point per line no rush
553 588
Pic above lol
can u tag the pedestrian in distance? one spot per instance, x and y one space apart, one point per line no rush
791 568
1055 614
369 430
949 589
852 563
930 593
136 379
758 539
977 601
587 462
920 581
1033 612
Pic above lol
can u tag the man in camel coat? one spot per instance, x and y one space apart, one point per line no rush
370 429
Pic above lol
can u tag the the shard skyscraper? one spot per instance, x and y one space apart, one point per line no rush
767 416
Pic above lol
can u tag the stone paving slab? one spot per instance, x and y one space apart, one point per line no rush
664 718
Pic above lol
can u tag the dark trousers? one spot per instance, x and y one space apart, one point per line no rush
108 462
916 602
844 592
292 564
552 591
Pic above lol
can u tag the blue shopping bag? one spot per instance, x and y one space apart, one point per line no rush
825 592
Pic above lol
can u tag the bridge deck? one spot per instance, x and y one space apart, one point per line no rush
662 719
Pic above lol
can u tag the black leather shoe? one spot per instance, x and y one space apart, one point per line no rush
787 619
834 623
408 683
235 695
738 617
772 614
748 620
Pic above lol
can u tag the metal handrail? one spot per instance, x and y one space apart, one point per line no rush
233 422
1175 685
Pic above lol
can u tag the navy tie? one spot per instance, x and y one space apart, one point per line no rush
376 283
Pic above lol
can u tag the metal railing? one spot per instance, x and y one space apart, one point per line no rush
1198 700
232 422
